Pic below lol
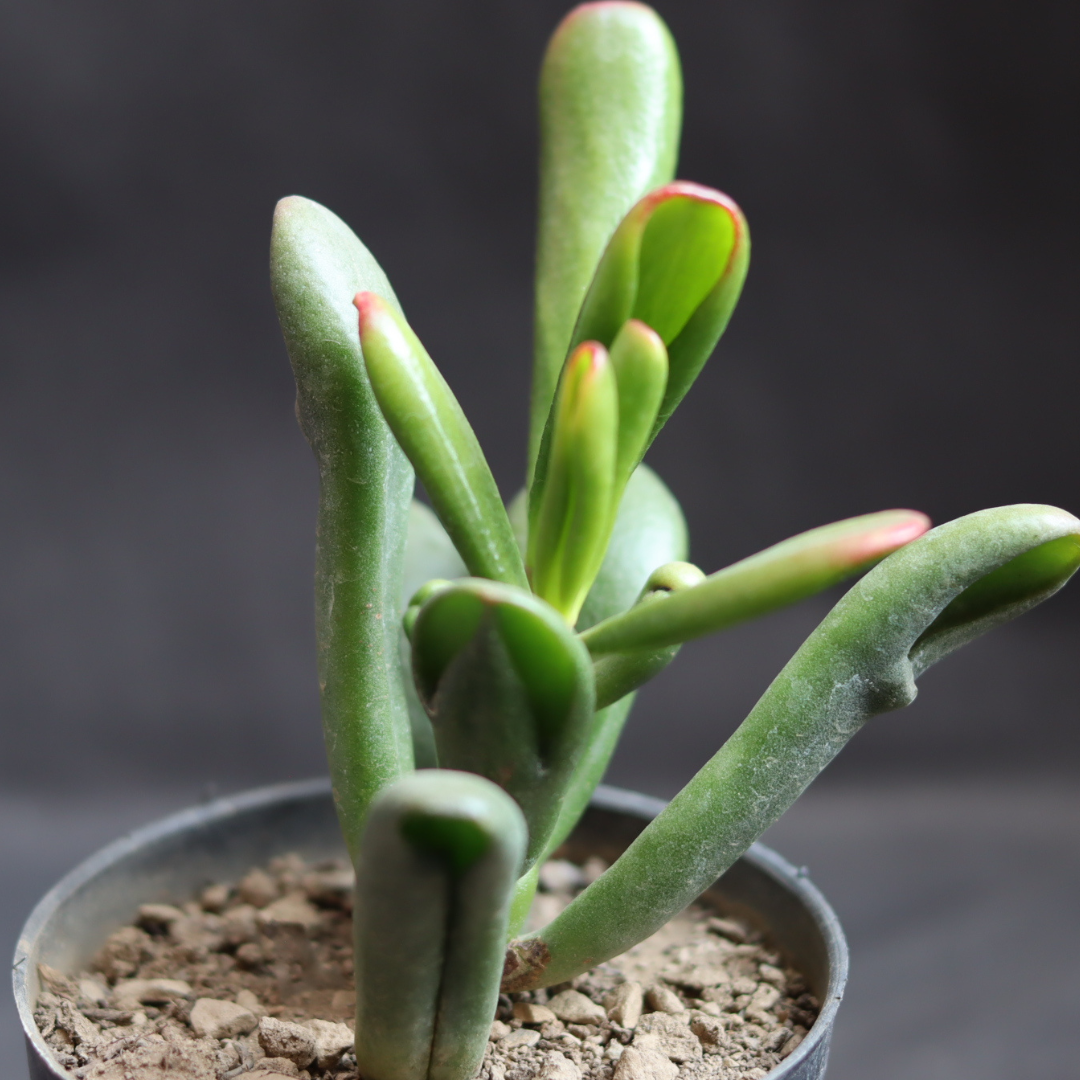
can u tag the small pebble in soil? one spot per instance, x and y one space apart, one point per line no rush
253 980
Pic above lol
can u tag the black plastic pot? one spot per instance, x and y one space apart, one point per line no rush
172 859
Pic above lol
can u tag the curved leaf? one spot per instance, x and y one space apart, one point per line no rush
677 263
509 690
317 265
860 662
440 854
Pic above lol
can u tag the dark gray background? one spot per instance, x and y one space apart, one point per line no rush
908 337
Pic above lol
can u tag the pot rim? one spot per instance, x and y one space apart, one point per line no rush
605 797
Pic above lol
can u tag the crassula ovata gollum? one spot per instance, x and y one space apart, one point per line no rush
477 663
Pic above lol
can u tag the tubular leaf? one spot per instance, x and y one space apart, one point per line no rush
610 114
860 662
639 360
572 520
365 487
617 674
677 263
781 575
509 690
428 422
434 880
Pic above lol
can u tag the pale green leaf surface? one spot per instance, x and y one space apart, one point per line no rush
860 662
509 689
440 854
317 266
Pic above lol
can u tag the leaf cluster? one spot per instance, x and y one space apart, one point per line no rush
478 661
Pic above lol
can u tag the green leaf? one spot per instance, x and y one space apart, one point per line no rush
649 530
317 266
860 662
428 423
677 262
617 674
573 517
440 854
509 690
1003 594
781 575
429 553
610 114
639 360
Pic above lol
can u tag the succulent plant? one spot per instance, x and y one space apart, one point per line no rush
476 664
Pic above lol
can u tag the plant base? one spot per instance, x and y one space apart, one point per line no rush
298 971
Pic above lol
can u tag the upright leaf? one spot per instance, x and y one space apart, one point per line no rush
649 530
432 429
317 266
677 262
440 855
640 363
610 114
572 518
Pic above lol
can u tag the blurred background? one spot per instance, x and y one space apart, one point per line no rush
908 337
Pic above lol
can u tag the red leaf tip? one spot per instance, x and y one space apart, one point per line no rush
591 354
370 306
905 526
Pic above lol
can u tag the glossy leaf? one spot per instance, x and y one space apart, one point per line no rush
440 855
509 690
971 574
610 113
428 422
781 575
573 516
639 360
677 262
649 530
365 487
